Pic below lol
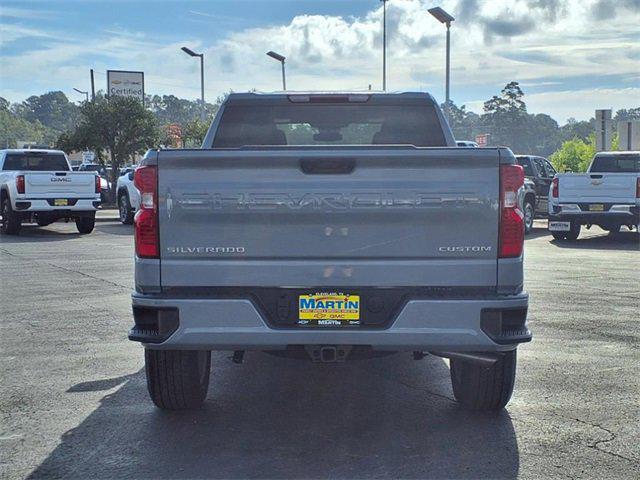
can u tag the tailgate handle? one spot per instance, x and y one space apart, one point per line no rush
596 176
61 174
327 166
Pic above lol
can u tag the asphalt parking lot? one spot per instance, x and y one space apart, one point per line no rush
73 402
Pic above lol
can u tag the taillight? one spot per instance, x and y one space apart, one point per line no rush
555 188
638 187
98 186
146 220
511 217
20 183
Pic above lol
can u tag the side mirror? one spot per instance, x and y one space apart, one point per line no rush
130 175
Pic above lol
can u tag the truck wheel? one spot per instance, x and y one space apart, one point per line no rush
124 209
11 221
86 224
613 229
177 379
529 214
478 387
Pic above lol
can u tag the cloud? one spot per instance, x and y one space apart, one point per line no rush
609 9
507 27
327 52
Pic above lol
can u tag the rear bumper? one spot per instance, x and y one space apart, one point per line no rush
615 214
44 205
454 324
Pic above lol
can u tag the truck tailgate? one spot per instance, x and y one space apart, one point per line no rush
63 184
324 217
597 187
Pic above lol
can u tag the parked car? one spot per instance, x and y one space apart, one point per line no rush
466 143
528 204
128 196
608 195
318 225
105 184
39 185
540 171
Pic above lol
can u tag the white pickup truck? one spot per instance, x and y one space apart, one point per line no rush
39 186
608 195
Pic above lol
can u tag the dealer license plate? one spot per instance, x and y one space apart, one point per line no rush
61 202
329 309
596 207
559 226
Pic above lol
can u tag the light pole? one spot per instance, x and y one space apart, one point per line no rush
190 52
444 17
384 44
86 94
281 59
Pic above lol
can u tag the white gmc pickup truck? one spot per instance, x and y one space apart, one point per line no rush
608 195
39 185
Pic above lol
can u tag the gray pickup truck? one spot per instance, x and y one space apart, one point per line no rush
330 227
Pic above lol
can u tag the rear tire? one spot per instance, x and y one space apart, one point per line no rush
124 209
529 215
11 221
177 379
478 387
86 224
614 229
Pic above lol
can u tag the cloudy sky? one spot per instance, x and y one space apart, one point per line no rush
570 56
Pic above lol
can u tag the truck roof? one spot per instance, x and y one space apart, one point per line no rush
619 152
30 150
346 96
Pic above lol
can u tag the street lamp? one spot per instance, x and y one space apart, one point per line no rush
384 44
281 59
444 17
190 52
84 93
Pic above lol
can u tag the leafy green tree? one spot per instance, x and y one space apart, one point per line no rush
13 128
505 118
119 127
574 128
574 155
194 132
52 109
625 115
464 124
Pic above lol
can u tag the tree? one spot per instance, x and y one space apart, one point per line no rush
13 128
119 127
573 128
574 155
52 109
465 125
194 133
505 118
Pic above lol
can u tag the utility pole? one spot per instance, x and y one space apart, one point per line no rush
93 88
191 53
443 17
281 59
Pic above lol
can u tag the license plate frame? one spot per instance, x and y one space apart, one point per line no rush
60 202
329 309
556 226
596 207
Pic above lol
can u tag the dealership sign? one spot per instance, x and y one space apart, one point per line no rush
125 84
